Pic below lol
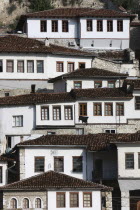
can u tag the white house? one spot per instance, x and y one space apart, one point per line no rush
87 27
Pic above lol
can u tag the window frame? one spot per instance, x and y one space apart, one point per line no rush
71 107
111 82
110 129
12 66
77 193
109 27
73 168
45 107
89 25
80 82
137 104
97 104
13 205
90 193
36 203
80 64
1 66
127 168
18 66
59 62
138 160
108 103
15 116
59 193
119 114
73 63
42 61
99 82
83 109
99 27
56 114
33 66
39 157
55 27
23 204
1 174
65 28
57 158
44 28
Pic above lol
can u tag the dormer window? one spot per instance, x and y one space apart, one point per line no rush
89 25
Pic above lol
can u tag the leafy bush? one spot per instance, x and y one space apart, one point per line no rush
40 5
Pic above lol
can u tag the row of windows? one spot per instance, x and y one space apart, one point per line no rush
65 25
97 84
109 25
25 204
77 163
74 199
21 66
40 66
129 160
97 109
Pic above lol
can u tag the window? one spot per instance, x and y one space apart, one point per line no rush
18 121
137 103
44 113
7 94
20 66
108 109
110 131
39 164
99 25
10 66
77 164
139 160
59 164
82 65
80 131
68 113
109 25
54 26
57 113
97 84
25 203
77 84
129 161
60 200
1 66
70 67
40 66
83 109
120 109
9 142
1 174
43 26
65 26
89 25
111 84
13 203
97 109
30 66
87 199
74 199
50 133
38 203
120 25
59 67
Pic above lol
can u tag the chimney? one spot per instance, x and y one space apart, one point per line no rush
47 42
32 88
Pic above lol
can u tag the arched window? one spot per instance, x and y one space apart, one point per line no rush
13 203
25 203
38 203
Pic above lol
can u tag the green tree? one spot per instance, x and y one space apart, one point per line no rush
40 5
128 4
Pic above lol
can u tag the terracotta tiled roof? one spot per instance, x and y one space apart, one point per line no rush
135 24
87 94
12 43
93 142
121 55
89 74
54 180
135 83
101 93
78 12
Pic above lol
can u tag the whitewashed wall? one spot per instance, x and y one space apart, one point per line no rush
49 65
122 150
96 200
49 154
4 166
34 29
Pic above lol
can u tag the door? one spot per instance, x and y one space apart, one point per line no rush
98 169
